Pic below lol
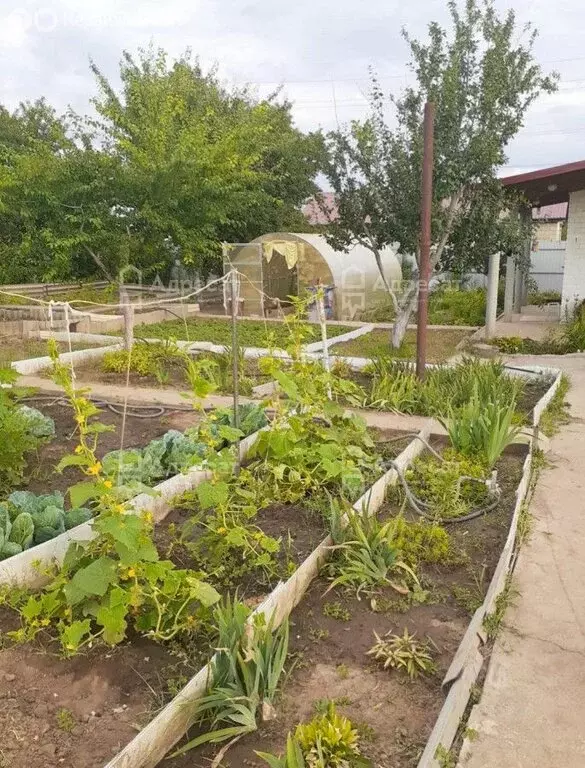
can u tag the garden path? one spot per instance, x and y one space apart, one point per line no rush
532 705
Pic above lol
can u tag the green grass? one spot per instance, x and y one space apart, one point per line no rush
12 349
251 333
441 345
557 412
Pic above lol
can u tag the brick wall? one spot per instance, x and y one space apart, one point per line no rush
574 275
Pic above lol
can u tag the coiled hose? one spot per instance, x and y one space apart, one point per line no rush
422 507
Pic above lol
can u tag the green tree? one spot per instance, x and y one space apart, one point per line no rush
482 77
202 164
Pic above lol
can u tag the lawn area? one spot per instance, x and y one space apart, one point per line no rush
12 349
251 333
441 345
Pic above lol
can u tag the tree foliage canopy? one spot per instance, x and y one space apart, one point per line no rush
482 77
168 168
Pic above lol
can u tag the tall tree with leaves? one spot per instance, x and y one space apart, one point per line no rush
482 77
201 163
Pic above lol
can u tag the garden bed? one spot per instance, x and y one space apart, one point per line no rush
138 432
331 634
169 372
441 345
80 711
251 333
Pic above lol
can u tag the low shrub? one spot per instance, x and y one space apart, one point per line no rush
403 652
328 741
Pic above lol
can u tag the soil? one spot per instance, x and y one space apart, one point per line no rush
78 713
138 432
393 714
299 527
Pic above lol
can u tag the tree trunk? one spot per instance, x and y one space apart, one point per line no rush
401 321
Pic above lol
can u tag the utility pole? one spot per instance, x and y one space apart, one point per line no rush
424 272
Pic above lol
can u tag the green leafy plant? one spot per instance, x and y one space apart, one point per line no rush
117 579
146 359
47 514
246 671
403 652
420 541
446 485
367 557
328 741
481 429
23 430
335 610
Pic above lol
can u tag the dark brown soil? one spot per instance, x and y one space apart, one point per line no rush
138 432
299 527
394 715
79 712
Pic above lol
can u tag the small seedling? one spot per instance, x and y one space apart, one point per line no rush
336 611
403 652
342 671
316 634
65 720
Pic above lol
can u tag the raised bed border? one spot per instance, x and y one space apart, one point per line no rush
29 568
468 659
155 740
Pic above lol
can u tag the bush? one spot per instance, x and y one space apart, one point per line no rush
145 359
448 306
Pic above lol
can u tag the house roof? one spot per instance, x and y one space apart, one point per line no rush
323 213
556 212
549 186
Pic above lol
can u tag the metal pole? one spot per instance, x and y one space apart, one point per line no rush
323 322
235 350
128 313
424 272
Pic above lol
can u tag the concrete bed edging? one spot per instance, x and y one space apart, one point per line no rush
468 659
155 740
37 364
29 567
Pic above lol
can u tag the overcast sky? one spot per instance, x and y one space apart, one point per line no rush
319 50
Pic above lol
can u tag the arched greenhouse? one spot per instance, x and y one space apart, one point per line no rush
282 264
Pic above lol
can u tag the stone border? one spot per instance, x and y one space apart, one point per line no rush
29 568
37 364
469 659
155 740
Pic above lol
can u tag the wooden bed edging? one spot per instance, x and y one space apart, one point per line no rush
154 741
468 660
29 567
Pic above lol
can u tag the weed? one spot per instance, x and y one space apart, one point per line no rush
421 541
321 706
403 652
342 671
445 757
316 634
471 734
446 485
470 598
367 556
557 412
65 720
493 621
335 610
328 741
